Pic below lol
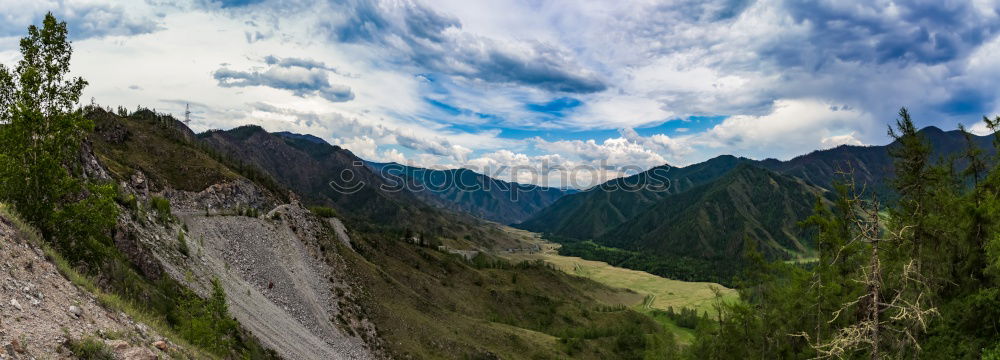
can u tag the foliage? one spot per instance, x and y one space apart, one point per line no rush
90 348
915 280
40 174
41 130
182 244
161 207
494 305
206 322
676 267
323 212
686 318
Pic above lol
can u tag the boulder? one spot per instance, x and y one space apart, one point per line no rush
162 345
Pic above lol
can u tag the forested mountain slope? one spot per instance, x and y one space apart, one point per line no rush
589 214
476 194
713 220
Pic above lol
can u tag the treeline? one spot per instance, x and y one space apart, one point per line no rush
686 318
720 271
918 279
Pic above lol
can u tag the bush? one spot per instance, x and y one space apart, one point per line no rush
182 244
323 212
162 208
91 349
207 323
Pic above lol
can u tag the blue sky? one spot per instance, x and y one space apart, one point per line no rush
490 85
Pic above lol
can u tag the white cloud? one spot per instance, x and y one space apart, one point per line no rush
786 83
794 127
837 140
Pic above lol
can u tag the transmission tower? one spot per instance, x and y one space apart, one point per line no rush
187 114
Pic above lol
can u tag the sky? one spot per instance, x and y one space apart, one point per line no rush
534 91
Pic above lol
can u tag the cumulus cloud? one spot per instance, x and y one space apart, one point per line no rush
452 83
83 18
794 127
362 137
302 77
436 42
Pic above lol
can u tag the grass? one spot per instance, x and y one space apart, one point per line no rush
430 304
109 301
156 146
664 292
323 212
90 348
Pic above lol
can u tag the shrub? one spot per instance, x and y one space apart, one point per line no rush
182 244
207 323
91 349
162 208
323 212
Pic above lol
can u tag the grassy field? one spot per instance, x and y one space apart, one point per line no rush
661 293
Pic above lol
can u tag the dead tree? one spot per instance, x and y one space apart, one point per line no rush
884 316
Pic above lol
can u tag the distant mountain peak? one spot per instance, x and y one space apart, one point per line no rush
932 130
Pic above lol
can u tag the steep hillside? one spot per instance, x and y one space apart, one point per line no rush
472 193
328 175
50 311
208 236
315 171
594 212
590 213
714 219
870 166
310 287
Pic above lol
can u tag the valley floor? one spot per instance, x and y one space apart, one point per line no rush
660 293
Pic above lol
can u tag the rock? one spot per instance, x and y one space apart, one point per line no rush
75 311
162 345
138 353
117 345
16 345
10 351
15 304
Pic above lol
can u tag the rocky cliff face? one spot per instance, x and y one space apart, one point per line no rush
279 282
269 255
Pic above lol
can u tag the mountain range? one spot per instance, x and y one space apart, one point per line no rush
470 192
704 210
707 210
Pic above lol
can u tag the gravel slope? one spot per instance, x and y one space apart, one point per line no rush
277 286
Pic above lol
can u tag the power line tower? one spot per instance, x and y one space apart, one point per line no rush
187 114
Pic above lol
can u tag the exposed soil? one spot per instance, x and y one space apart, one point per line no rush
40 310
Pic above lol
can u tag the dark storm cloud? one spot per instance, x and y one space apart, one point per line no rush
926 32
967 101
303 77
422 35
